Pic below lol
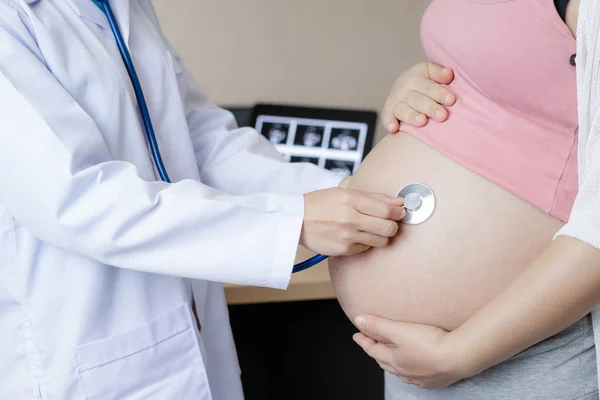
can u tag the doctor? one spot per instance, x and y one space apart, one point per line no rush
96 252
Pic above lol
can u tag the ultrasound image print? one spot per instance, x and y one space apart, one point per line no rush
344 139
341 167
309 136
276 133
312 160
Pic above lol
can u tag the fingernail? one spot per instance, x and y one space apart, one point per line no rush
360 322
439 115
403 213
420 119
392 127
448 100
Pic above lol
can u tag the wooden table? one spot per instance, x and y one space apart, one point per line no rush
312 284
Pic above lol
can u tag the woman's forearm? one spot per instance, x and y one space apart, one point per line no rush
560 287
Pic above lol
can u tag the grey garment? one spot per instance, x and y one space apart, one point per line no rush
562 367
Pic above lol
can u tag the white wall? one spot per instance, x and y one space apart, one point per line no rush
341 53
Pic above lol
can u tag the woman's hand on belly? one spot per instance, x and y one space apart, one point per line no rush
417 95
419 354
557 289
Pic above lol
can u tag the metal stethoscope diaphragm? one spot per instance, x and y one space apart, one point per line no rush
419 203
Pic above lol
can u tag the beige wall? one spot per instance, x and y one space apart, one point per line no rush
341 53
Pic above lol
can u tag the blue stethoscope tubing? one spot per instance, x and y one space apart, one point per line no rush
147 121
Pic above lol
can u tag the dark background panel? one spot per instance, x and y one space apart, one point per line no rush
300 351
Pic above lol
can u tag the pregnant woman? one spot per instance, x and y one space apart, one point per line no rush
503 167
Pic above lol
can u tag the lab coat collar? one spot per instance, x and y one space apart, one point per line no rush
90 11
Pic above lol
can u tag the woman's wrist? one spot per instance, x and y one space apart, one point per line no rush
458 357
549 296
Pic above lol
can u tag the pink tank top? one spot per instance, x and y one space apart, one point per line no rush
515 120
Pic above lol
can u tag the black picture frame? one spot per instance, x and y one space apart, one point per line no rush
367 117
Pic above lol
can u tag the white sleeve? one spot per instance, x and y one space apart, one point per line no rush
584 223
59 181
221 147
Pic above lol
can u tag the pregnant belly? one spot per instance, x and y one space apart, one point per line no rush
442 271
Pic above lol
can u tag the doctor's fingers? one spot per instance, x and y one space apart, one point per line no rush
371 240
379 206
377 226
353 249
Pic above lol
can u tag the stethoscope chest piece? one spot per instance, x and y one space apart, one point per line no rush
419 202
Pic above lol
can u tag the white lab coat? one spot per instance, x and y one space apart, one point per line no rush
95 252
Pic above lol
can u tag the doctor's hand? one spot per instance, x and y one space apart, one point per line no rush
341 222
420 355
417 95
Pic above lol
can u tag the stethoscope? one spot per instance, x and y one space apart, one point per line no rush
419 200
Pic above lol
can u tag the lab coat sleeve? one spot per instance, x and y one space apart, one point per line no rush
59 181
221 147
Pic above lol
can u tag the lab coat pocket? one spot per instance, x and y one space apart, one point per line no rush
159 360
